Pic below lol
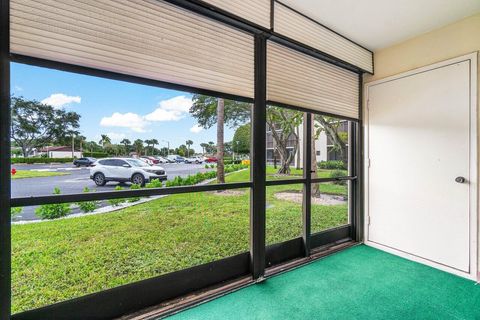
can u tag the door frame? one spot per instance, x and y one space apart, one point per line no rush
474 273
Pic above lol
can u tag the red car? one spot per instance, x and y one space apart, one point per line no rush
152 159
210 159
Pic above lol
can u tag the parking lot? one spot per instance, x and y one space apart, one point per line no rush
76 180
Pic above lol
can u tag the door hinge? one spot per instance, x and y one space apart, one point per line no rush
369 162
368 220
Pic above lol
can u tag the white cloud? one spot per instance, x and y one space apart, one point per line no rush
172 109
17 89
163 115
196 129
59 100
129 120
116 137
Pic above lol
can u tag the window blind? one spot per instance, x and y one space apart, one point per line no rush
256 11
297 79
295 26
146 38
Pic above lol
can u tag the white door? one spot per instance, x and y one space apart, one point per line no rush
422 175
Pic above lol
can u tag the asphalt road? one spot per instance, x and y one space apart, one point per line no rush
75 181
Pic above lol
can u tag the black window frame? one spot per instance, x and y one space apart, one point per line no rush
132 297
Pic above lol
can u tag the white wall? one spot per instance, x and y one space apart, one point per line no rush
64 154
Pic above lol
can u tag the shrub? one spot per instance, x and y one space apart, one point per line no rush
338 174
53 211
41 160
116 202
332 165
15 211
155 183
95 154
87 206
207 166
136 187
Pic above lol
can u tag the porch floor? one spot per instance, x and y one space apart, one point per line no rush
358 283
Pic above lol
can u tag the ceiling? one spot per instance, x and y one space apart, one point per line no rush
377 24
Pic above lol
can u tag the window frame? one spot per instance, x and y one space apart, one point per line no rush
251 264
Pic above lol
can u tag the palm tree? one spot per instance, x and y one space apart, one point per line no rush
211 146
188 143
148 142
204 147
126 143
81 141
138 146
105 141
220 140
154 143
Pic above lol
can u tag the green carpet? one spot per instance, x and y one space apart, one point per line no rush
357 283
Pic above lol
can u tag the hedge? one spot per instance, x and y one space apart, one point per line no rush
41 160
332 165
95 154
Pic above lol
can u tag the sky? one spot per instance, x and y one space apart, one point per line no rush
118 109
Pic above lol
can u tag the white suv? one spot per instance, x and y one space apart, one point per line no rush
123 170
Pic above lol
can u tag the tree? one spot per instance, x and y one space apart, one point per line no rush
188 143
212 147
138 146
242 139
220 140
330 126
282 123
105 141
210 110
81 140
126 144
204 147
148 142
35 124
154 142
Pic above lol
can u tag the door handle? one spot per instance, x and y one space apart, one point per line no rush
460 180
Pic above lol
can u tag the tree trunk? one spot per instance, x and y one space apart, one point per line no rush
299 158
25 152
220 143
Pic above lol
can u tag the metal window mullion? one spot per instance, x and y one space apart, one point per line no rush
5 187
352 169
258 168
307 190
79 197
358 185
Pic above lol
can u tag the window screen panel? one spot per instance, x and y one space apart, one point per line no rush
297 27
297 79
256 11
146 38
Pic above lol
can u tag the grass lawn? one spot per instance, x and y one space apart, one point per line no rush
25 174
59 260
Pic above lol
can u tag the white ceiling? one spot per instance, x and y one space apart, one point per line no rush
377 24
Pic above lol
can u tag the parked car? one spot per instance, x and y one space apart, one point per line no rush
87 162
162 159
196 160
176 158
150 160
125 170
211 159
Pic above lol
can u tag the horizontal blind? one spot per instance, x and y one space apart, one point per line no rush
256 11
299 80
145 38
297 27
